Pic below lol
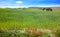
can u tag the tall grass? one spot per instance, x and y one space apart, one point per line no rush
22 18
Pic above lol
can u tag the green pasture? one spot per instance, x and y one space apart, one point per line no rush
22 18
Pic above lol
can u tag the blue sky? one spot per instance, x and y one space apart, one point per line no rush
25 3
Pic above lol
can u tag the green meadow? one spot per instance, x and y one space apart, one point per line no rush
10 18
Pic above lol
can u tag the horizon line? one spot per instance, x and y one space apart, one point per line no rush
29 6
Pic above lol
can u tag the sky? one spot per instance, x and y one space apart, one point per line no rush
29 3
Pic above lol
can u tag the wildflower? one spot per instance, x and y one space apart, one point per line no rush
22 30
36 34
29 31
38 30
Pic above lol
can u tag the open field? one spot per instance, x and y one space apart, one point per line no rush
29 22
30 17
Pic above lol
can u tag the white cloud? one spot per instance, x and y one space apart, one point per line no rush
19 2
14 6
29 6
45 6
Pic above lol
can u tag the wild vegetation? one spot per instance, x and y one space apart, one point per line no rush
17 19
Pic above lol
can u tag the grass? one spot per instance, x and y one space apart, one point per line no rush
23 18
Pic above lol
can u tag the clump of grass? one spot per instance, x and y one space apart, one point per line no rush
57 33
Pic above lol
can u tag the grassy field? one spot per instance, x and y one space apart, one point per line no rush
23 18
